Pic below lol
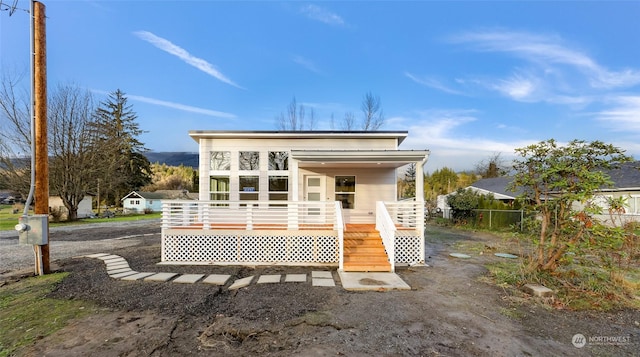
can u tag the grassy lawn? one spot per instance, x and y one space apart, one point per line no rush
26 314
8 219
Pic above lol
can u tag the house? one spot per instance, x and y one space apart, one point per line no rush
85 207
140 201
299 198
496 186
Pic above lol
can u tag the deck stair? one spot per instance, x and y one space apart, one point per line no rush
363 249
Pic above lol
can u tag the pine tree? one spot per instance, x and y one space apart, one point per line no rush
123 165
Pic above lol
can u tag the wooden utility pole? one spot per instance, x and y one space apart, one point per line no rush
40 117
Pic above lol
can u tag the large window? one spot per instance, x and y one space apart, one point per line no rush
221 160
278 160
249 187
219 188
346 191
278 188
249 160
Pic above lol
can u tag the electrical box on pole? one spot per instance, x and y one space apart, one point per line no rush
33 229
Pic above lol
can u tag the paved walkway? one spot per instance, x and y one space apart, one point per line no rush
118 268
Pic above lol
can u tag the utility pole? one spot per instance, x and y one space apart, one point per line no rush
40 113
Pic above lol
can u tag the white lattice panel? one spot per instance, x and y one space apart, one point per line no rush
407 248
287 247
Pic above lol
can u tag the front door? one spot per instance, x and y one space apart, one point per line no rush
315 191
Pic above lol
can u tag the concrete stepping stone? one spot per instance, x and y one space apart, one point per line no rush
295 278
160 277
321 274
241 283
97 255
216 279
110 256
123 274
188 278
137 276
268 279
118 271
323 282
117 266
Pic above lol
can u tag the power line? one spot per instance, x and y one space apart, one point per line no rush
4 6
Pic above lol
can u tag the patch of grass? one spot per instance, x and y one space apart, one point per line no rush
26 314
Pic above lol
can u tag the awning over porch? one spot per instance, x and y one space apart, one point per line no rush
359 158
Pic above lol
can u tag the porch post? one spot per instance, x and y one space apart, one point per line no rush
293 220
420 181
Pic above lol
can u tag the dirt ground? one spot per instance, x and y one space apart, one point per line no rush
450 311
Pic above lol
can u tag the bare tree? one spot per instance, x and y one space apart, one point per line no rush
73 165
373 114
494 166
349 121
295 119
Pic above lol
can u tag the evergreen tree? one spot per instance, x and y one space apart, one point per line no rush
115 131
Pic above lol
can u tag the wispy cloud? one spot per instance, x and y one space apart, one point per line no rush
184 55
518 87
432 83
318 13
547 51
306 63
624 114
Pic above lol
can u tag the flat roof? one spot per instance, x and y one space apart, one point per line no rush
319 134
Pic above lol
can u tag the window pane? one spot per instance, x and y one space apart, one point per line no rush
278 160
249 183
215 196
249 160
220 160
314 196
345 184
347 199
219 184
313 182
278 197
244 196
279 183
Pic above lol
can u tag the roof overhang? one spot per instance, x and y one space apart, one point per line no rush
315 134
358 158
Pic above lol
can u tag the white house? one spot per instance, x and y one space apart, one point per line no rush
299 197
140 201
85 208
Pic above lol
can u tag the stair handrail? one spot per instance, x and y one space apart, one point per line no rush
340 227
387 229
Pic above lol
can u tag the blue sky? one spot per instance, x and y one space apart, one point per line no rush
467 79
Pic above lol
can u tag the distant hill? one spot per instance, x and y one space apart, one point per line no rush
174 158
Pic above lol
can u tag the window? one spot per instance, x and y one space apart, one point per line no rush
221 160
249 187
346 191
633 202
219 188
249 160
278 160
278 188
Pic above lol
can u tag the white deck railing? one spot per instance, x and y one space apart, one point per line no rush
340 227
387 230
407 219
250 215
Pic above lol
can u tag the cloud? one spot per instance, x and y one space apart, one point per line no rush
308 64
547 51
317 13
188 58
432 83
624 115
518 87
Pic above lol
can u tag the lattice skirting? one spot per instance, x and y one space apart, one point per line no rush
259 247
407 248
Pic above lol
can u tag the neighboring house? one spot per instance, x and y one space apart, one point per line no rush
139 201
496 186
85 207
299 197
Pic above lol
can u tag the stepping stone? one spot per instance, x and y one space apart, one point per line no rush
295 278
160 277
115 261
117 266
321 274
269 279
110 256
241 283
137 276
538 290
216 279
122 275
97 255
118 271
188 278
322 282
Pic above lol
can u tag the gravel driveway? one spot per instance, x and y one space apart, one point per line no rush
70 241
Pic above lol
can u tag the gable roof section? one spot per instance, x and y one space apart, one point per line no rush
626 178
496 186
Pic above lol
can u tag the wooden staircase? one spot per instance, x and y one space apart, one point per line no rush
363 249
